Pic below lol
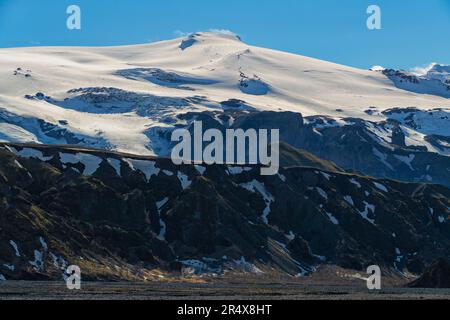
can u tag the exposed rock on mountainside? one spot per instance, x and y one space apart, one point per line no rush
120 217
292 157
384 149
434 82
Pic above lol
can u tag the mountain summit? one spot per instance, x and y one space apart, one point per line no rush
126 98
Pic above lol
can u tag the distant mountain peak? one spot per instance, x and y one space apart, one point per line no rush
433 79
209 36
440 72
377 68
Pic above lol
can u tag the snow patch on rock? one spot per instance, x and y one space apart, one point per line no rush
31 153
115 163
147 167
200 169
184 180
238 170
349 200
322 193
15 247
91 163
256 186
365 213
356 183
332 218
381 187
159 206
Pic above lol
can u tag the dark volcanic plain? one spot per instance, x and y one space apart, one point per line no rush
23 290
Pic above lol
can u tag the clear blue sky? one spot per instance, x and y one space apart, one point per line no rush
415 32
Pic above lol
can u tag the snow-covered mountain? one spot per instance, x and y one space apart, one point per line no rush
439 72
433 80
116 98
350 138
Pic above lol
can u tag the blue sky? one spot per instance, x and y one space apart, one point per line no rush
415 32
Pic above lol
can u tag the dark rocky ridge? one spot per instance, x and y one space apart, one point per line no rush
352 145
109 223
437 275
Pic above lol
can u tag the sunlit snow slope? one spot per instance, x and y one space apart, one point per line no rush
110 97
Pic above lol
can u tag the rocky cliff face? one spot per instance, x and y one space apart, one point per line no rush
122 217
385 149
437 275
